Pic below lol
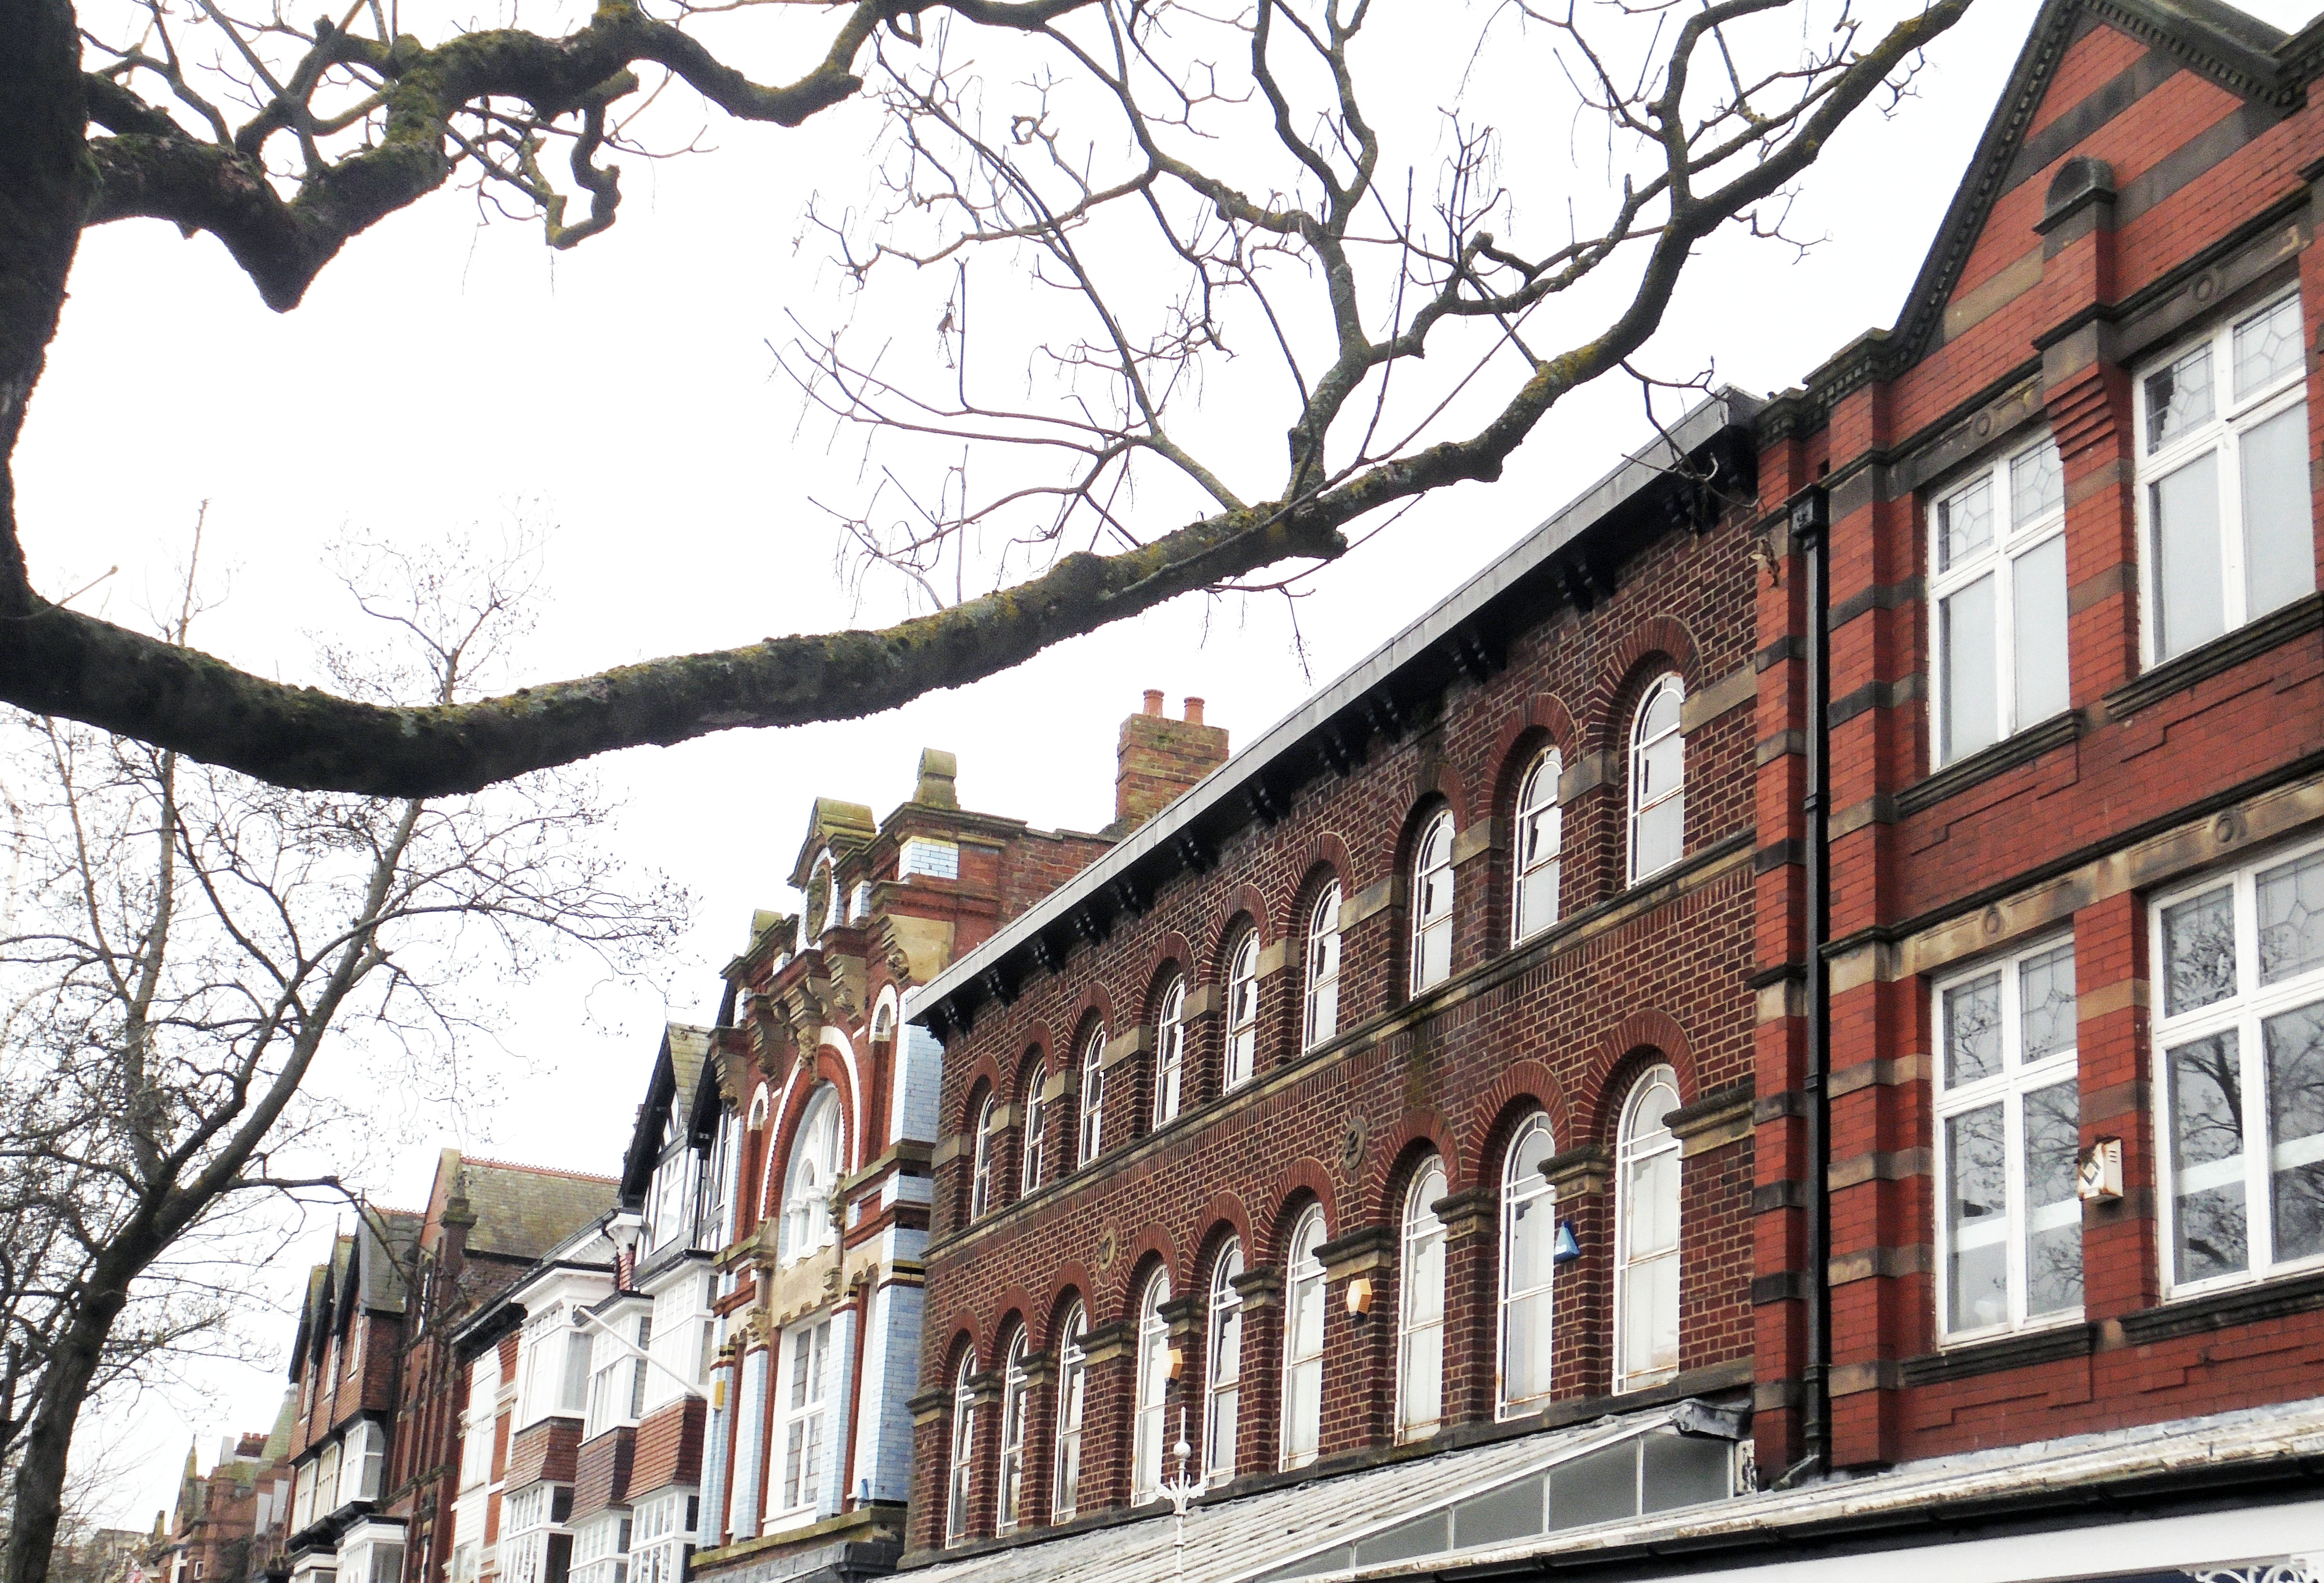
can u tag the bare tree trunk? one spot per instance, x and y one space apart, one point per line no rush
65 1382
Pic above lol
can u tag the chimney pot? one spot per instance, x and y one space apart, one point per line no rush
1158 758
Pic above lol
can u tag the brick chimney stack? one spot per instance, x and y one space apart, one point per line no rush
1160 757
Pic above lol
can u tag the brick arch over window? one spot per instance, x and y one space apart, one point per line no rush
1523 1088
1303 1182
1039 1046
1325 851
984 1078
1443 789
1069 1287
1224 1220
1172 954
1153 1249
1541 721
1642 1038
1656 644
1395 1154
966 1338
1242 905
1095 1004
1015 1307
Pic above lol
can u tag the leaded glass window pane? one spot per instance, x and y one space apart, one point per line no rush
2199 952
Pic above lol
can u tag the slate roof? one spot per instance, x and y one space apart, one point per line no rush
674 1086
524 1210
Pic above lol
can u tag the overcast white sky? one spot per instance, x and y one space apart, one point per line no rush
441 373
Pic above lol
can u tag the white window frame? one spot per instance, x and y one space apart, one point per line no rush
802 1419
1420 1308
1642 802
1540 840
1033 1151
1170 1051
1433 895
979 1179
2014 1078
2223 431
1222 1367
617 1376
1636 1152
1304 1294
1524 1192
959 1483
1092 1129
1239 1061
1016 1397
809 1175
1150 1435
2007 547
1073 1408
1320 1001
2244 1013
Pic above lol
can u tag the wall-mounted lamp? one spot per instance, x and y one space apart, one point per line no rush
1360 1298
1177 1365
1567 1247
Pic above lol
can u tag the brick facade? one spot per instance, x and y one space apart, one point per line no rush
1566 1021
2154 193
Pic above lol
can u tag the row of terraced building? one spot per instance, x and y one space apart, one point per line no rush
1780 1025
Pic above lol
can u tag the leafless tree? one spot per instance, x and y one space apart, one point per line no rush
1243 151
184 947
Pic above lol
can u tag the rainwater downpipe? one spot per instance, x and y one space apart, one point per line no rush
1811 532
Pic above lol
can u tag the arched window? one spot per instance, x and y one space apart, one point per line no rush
815 1170
979 1182
1528 1260
883 1022
1432 903
1322 1008
1073 1392
1242 1012
1093 1095
1302 1343
1538 838
1013 1396
1646 1236
1658 780
1037 1126
1153 1391
1420 1319
1222 1398
1169 1052
964 1451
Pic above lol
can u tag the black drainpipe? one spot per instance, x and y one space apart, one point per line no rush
1811 532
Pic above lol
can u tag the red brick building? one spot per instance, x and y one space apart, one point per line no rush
1426 1015
812 1121
1919 1072
379 1385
